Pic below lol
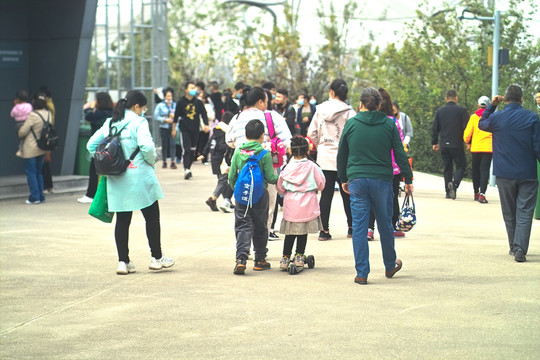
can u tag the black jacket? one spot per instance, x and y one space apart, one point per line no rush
289 113
217 140
218 104
450 121
188 113
96 118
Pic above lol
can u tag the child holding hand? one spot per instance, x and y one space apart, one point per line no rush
299 183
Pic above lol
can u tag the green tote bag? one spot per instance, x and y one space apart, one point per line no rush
100 206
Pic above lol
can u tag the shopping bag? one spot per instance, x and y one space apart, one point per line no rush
100 206
407 216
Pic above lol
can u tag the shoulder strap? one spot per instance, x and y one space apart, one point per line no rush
270 124
260 156
42 119
118 132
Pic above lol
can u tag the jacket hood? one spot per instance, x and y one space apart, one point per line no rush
371 118
297 171
332 109
249 148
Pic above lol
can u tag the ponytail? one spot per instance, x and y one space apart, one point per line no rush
133 97
340 88
250 96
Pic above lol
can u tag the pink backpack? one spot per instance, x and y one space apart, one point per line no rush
278 150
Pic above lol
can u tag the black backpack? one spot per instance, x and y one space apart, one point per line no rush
109 157
48 140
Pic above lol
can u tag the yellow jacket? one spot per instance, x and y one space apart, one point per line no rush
481 140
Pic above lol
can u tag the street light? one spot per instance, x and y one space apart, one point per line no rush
496 18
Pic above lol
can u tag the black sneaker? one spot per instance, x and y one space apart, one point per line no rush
272 236
212 204
240 267
452 190
324 235
349 232
519 255
261 264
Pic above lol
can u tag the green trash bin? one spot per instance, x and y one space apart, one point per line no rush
537 211
82 161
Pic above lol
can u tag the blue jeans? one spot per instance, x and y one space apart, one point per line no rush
376 193
33 168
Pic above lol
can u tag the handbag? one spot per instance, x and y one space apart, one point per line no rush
407 216
100 206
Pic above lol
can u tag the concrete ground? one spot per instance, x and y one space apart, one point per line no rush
459 294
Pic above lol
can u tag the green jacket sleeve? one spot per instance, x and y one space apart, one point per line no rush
343 155
401 157
233 171
268 168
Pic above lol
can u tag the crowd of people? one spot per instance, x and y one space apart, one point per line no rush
302 152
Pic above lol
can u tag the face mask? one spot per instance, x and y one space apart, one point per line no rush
538 106
192 92
238 96
301 102
273 97
313 102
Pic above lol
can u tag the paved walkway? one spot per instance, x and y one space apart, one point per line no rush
459 295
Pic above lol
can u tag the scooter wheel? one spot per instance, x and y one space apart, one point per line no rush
292 270
311 261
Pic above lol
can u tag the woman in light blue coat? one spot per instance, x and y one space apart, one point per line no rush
164 114
137 188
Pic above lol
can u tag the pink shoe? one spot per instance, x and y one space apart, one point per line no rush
370 235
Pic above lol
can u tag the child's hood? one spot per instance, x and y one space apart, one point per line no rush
22 109
249 148
297 171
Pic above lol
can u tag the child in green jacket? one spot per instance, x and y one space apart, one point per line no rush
251 222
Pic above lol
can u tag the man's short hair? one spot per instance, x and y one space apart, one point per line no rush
283 92
254 129
268 85
451 94
239 86
514 93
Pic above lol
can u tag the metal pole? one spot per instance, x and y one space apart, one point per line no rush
495 72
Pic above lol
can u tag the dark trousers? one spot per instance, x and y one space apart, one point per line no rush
189 142
201 144
395 204
92 180
223 187
301 241
47 175
326 199
153 232
518 199
451 156
168 148
251 225
481 161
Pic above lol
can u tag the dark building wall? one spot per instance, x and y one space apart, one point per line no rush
45 42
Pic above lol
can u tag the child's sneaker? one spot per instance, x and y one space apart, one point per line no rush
158 264
299 260
240 267
212 204
261 264
226 206
370 235
284 263
349 232
124 269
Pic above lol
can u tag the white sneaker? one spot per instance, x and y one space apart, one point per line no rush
158 264
226 206
85 200
28 202
124 269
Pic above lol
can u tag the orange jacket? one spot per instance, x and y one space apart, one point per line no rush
481 140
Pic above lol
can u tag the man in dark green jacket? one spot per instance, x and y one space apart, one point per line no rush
364 165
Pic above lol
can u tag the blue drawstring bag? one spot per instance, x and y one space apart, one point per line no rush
249 186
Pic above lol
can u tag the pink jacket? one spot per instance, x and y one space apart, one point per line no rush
21 111
299 182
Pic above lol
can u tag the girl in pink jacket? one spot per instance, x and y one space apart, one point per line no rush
299 183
